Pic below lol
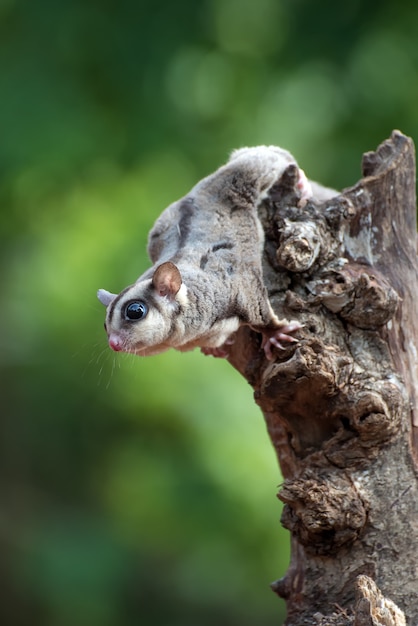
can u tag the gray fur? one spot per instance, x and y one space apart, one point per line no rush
215 239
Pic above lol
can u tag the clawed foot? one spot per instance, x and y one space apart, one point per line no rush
279 336
222 352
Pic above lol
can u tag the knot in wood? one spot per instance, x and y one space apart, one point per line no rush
299 248
372 608
369 420
359 294
324 510
377 416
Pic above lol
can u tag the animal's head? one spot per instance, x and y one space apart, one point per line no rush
139 320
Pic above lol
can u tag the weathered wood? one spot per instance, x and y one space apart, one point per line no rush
340 405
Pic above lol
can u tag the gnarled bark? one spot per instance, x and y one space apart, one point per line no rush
340 405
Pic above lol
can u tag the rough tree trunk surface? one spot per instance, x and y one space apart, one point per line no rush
340 405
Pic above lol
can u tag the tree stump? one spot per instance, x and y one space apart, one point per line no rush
340 405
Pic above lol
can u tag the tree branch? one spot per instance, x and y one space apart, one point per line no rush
340 404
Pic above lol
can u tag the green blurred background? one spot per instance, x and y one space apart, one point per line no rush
142 491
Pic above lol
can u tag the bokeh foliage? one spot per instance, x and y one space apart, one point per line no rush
142 491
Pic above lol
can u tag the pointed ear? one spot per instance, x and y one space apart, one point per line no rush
167 280
106 297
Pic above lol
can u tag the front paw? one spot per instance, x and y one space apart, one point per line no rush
276 337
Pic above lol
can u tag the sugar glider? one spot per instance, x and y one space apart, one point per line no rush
207 278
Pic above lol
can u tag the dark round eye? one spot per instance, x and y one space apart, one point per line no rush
136 311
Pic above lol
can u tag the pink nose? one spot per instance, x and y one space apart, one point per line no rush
115 343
